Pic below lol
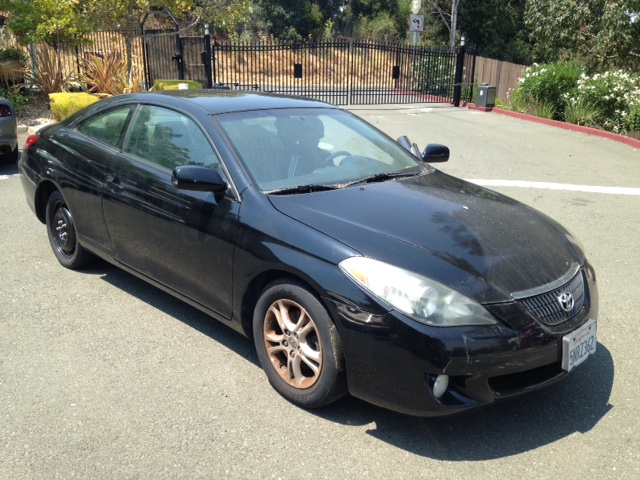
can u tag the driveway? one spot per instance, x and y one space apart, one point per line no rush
104 376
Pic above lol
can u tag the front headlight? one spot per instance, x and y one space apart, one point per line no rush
421 298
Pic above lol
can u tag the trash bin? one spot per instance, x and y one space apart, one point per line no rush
486 96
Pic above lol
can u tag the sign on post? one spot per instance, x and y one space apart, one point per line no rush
416 23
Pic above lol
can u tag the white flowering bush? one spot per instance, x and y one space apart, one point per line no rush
616 96
562 91
546 89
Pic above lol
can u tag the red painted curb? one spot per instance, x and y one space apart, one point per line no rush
632 142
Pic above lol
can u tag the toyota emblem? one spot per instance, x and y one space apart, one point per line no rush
566 302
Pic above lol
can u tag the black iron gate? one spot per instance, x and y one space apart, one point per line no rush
341 71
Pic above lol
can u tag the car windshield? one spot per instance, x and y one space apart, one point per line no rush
301 150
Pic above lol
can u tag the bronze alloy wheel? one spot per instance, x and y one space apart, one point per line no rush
298 345
293 344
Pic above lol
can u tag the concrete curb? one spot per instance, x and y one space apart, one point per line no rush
632 142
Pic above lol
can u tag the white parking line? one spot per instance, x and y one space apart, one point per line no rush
557 186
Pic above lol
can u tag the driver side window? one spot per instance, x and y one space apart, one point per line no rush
169 139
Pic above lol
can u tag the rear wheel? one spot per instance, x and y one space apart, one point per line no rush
298 346
61 230
11 157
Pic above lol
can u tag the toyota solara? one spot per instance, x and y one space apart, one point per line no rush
353 264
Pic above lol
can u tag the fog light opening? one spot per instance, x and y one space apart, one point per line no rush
440 385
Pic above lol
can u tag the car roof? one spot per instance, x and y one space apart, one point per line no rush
224 101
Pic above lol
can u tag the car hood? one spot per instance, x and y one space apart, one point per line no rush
472 239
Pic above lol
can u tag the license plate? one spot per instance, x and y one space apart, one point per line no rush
578 345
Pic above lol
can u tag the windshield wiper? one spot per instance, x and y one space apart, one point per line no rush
381 177
310 188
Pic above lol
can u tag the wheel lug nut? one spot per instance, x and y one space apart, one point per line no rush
285 343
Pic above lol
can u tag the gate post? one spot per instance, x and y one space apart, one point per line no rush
178 57
457 89
206 56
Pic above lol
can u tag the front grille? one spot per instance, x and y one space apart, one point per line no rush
547 308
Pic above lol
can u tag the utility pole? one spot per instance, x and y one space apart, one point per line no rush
416 22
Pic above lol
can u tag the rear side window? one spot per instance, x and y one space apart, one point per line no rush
169 139
107 127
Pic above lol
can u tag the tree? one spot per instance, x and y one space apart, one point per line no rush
230 17
128 16
599 33
51 21
447 10
297 19
376 18
496 29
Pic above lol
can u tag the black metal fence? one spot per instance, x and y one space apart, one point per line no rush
341 71
348 71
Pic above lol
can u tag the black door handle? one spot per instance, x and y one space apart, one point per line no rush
114 184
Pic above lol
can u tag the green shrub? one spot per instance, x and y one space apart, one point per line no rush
546 87
581 111
109 75
50 76
17 98
633 120
616 95
544 110
173 84
64 105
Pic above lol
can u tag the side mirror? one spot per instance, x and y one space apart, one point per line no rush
435 153
198 179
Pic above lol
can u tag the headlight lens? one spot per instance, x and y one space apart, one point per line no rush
421 298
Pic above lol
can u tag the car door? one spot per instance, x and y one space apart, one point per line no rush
182 239
88 150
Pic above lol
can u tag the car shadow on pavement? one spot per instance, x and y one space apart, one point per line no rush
507 428
177 309
8 168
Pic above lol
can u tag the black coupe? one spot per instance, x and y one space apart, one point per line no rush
353 264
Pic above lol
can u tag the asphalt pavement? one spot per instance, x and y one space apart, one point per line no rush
105 377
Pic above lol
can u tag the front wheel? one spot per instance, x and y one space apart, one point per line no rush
61 231
298 346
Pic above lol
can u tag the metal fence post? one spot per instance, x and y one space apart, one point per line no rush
178 58
206 56
457 90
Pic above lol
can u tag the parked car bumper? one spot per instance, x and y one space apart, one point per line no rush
484 364
8 128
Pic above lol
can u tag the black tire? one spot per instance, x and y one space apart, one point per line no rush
61 231
11 157
298 346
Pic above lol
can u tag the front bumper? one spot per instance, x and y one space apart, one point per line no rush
393 361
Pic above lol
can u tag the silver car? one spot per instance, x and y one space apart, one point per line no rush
8 132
